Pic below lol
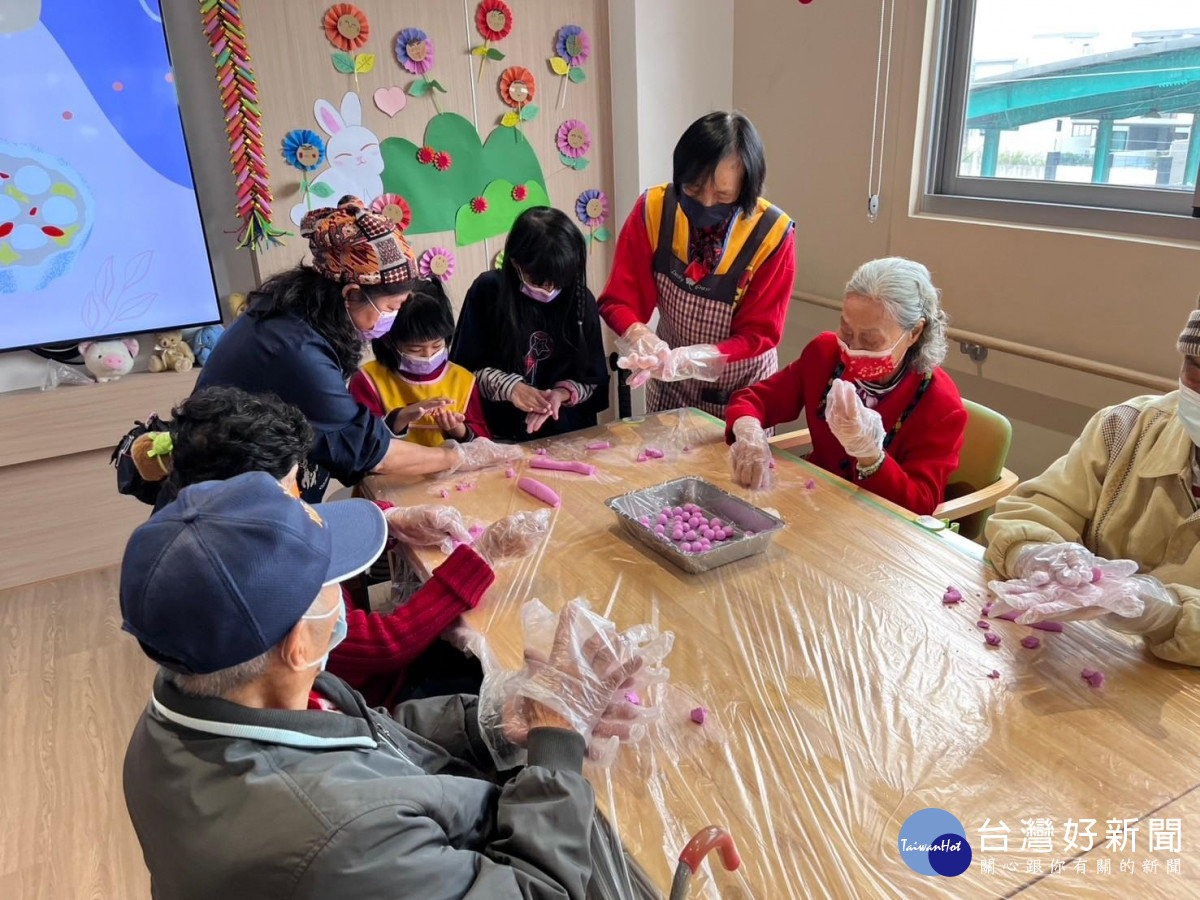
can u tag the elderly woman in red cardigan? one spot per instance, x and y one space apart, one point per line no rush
881 411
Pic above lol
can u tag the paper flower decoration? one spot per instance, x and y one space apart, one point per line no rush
425 156
591 208
346 27
493 19
479 206
572 45
520 192
573 139
436 262
517 86
441 161
414 51
395 208
303 149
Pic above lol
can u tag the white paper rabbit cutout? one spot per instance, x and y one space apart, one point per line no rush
352 152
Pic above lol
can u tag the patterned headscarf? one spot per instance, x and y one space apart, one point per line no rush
1189 341
352 245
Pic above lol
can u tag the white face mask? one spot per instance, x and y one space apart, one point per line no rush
339 631
1189 412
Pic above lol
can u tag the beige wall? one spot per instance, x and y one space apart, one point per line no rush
805 75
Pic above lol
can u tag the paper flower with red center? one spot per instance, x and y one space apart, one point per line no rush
414 51
494 20
425 156
517 86
591 208
441 161
573 139
395 208
519 193
478 205
346 26
436 262
572 44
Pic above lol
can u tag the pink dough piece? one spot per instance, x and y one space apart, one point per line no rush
465 486
598 445
1012 614
1030 643
952 595
810 485
992 639
444 494
541 452
1097 574
633 698
559 465
687 449
749 534
475 530
535 488
686 547
772 463
993 674
654 453
1092 677
699 714
642 457
987 609
660 528
645 521
510 473
982 624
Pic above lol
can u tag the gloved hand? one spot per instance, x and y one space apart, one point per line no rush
639 348
1040 597
1160 609
556 398
427 526
1067 563
479 454
859 430
513 536
701 362
750 454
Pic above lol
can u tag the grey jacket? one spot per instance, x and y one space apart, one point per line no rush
230 802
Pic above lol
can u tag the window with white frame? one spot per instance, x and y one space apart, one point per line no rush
1085 103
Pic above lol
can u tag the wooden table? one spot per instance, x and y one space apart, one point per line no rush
842 694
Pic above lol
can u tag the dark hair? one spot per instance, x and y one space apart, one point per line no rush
220 432
425 316
548 247
305 292
709 140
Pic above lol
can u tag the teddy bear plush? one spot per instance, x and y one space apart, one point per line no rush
204 340
170 352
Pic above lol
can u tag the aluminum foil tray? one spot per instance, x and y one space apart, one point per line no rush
715 502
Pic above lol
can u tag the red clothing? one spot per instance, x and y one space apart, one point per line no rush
363 391
378 648
631 294
921 457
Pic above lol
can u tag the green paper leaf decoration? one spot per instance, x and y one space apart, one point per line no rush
566 160
559 66
437 85
601 234
364 63
529 112
502 211
511 120
576 74
343 62
418 88
493 53
582 163
479 51
320 189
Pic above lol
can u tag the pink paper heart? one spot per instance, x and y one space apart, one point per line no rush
390 100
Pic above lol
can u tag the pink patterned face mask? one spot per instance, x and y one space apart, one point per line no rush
868 365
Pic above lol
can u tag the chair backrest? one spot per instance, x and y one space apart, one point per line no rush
984 452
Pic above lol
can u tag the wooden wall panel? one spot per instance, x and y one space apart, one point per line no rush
292 61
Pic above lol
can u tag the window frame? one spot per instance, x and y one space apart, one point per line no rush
1171 214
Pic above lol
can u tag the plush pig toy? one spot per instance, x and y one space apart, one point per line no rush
109 360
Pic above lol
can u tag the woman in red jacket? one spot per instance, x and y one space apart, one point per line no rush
881 411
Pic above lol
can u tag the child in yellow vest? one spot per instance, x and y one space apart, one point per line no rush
411 373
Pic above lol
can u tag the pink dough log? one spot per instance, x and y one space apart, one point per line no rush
559 465
598 445
535 488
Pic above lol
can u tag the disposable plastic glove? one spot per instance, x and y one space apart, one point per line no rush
1041 598
513 536
859 430
640 348
1160 609
699 362
750 455
427 526
1068 564
479 454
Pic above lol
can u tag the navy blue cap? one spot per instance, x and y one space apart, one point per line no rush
221 575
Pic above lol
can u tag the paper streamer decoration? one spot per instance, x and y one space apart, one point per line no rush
591 208
572 47
493 21
573 140
222 20
492 213
436 262
517 89
436 194
414 52
304 150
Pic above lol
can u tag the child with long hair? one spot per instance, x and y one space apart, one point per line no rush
412 380
530 332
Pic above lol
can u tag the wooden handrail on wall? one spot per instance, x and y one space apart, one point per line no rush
1050 357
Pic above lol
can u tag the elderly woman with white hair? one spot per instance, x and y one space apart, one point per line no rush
882 412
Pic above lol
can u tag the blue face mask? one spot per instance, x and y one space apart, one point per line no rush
701 216
339 631
541 295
